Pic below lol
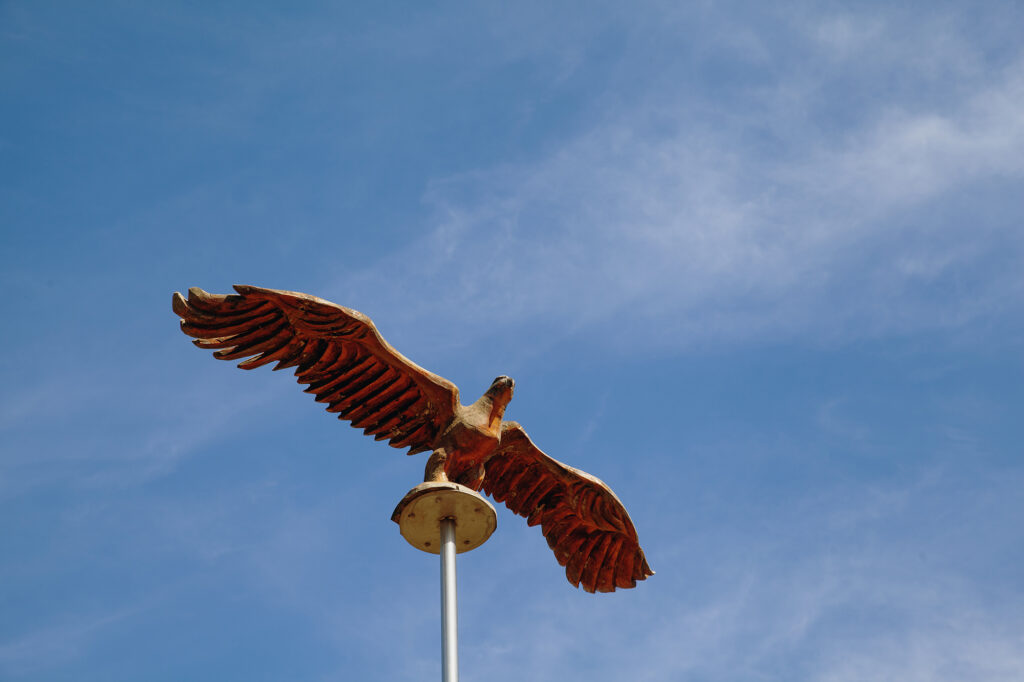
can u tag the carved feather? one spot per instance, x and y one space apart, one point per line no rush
336 351
583 521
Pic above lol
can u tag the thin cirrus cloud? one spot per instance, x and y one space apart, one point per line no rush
823 591
30 653
659 212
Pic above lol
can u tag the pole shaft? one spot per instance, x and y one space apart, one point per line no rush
449 605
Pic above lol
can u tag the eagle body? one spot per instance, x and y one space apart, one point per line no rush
344 362
471 439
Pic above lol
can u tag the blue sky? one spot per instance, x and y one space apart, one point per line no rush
756 265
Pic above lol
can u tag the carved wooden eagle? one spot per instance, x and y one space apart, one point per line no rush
343 360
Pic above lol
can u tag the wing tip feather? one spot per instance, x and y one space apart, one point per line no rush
179 305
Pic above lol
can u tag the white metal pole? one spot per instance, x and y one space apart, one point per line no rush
449 605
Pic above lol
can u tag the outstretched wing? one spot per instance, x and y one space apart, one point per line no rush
584 522
338 352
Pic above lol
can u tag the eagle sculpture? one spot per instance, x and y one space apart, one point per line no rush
345 363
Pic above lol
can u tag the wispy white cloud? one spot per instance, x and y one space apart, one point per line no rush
661 212
855 585
56 644
910 156
116 431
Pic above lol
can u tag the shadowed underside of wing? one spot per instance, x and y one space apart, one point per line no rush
581 518
336 351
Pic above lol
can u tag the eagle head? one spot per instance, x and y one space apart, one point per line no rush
500 391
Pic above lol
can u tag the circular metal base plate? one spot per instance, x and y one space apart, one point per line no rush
419 516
